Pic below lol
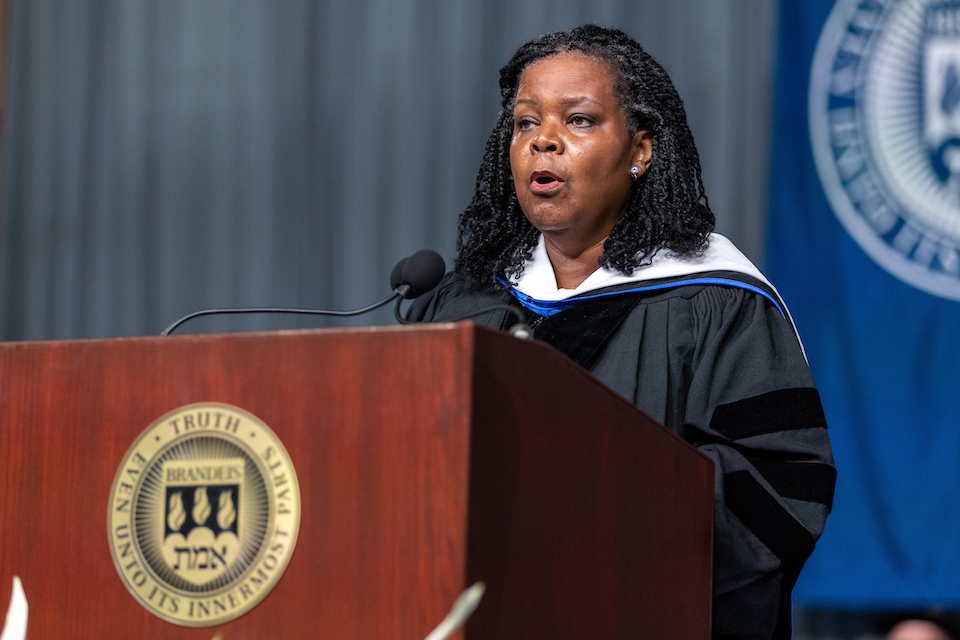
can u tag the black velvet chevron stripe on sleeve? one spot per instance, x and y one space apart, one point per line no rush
565 330
810 481
766 518
780 410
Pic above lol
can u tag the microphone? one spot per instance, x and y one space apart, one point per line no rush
422 271
417 274
411 277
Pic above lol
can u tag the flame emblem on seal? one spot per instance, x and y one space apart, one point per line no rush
201 506
176 514
226 513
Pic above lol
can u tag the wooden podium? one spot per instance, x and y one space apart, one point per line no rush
427 459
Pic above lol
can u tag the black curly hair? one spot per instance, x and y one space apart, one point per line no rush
668 207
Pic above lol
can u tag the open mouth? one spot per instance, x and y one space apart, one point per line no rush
543 182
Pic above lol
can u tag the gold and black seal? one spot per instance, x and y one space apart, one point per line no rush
204 514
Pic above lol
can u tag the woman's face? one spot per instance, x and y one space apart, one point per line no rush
571 152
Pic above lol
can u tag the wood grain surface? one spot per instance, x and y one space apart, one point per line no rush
426 458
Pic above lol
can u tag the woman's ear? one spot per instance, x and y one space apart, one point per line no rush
642 150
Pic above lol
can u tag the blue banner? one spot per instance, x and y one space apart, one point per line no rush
864 246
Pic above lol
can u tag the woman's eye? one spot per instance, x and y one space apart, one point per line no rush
581 121
524 124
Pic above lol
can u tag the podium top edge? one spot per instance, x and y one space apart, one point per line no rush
437 327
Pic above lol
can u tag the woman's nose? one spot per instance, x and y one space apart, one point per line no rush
547 140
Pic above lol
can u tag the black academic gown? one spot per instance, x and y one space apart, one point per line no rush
722 367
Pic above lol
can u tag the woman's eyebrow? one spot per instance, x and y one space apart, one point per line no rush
567 102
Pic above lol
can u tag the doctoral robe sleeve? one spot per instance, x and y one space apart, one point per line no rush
452 299
424 308
752 408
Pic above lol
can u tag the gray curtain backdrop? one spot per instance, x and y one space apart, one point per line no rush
165 156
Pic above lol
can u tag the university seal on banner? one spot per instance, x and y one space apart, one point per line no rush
204 514
884 116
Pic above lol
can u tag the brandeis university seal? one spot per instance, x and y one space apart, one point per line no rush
884 115
204 514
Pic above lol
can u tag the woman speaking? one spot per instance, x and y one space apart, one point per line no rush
589 212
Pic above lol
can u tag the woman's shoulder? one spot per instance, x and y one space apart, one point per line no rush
452 298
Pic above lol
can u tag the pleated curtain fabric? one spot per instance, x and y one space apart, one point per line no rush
164 157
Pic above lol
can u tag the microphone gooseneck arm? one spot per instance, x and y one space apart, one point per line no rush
302 312
494 307
411 277
518 330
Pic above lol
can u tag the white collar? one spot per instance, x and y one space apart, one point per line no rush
539 281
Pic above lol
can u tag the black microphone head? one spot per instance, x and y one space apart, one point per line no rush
421 272
396 276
